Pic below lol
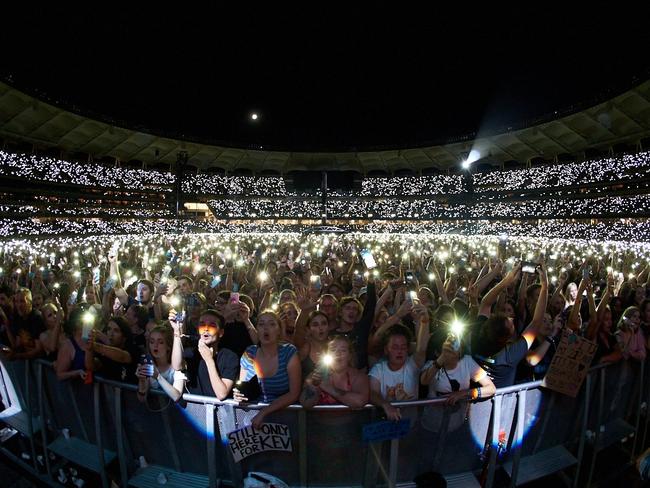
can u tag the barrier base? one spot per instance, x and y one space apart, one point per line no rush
19 420
462 480
80 453
615 431
149 478
541 464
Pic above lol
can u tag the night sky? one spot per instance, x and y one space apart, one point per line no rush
323 80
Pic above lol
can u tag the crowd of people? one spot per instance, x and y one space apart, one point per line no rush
428 209
320 320
347 319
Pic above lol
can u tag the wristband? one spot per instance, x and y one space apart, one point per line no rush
550 340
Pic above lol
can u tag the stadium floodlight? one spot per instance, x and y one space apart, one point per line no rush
474 155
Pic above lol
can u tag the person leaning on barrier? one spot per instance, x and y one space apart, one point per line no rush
335 380
163 375
495 345
117 359
25 328
52 338
212 369
276 364
71 356
449 376
395 378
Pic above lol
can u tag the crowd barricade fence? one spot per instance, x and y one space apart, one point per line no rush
527 430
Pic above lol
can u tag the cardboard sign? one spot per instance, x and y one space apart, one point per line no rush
385 430
570 364
249 440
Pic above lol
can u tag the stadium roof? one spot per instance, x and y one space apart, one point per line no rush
624 119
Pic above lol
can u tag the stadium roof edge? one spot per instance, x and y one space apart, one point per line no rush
625 119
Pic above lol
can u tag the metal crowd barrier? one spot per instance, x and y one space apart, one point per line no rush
526 430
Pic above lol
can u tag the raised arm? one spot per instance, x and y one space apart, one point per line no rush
423 334
491 297
440 288
531 332
177 347
573 321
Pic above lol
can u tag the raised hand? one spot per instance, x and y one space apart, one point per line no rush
206 352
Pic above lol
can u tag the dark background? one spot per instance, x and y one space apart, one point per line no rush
324 80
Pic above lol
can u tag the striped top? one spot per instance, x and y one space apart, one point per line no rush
278 384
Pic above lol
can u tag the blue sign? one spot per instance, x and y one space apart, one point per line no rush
385 430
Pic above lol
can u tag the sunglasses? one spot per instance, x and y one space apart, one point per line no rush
209 328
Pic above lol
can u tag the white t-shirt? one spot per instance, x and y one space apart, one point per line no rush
465 370
170 375
397 385
433 416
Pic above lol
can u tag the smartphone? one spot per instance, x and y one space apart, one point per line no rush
147 365
234 297
250 389
316 282
368 259
586 272
96 276
409 278
528 267
73 298
216 279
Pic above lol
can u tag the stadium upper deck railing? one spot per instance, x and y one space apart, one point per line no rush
531 432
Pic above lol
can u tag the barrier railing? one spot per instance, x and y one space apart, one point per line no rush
526 430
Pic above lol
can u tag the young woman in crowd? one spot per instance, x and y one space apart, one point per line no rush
629 335
117 359
162 375
336 381
71 354
275 363
316 344
53 336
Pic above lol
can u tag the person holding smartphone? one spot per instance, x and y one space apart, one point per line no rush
160 374
116 359
339 382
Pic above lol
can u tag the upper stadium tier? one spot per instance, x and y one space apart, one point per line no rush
617 125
